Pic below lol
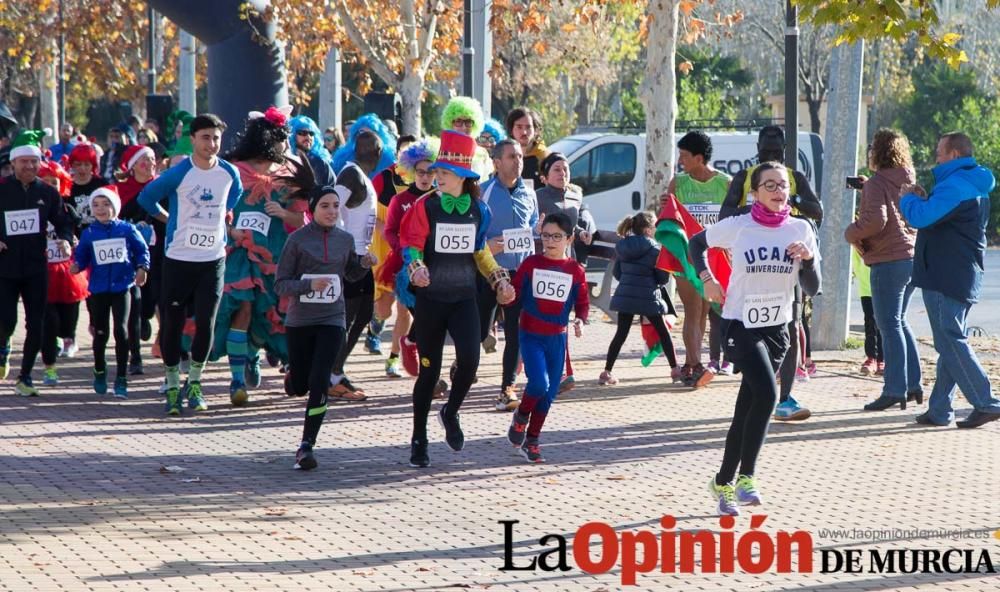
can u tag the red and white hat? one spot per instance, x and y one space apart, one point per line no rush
132 155
456 154
110 192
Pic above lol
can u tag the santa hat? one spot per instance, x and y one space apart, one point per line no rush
111 193
132 155
84 153
28 143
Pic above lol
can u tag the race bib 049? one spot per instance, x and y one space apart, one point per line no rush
21 222
551 285
518 240
111 250
201 238
766 310
255 221
328 296
454 238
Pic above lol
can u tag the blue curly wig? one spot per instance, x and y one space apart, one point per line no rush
372 123
304 122
495 129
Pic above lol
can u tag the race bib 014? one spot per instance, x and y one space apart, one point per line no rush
111 250
255 221
328 296
454 238
518 240
551 285
19 222
766 310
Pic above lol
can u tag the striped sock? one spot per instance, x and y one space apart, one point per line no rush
173 377
236 346
194 374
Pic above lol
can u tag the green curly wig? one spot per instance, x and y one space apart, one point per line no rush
463 107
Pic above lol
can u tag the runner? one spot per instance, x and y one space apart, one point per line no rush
305 140
312 267
548 285
117 258
772 253
201 191
444 242
465 116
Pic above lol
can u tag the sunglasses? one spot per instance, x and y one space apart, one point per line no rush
304 132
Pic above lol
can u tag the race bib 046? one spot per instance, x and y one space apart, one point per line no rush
328 296
19 222
518 240
111 250
551 285
454 238
766 310
54 253
255 221
201 238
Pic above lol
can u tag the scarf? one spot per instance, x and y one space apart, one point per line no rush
766 217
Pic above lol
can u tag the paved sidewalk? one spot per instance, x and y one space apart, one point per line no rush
85 504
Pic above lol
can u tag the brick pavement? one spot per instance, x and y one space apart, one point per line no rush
84 505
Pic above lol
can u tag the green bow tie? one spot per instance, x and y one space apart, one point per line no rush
450 203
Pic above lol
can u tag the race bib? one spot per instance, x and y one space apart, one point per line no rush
705 214
255 221
551 285
111 250
328 296
21 222
53 253
370 229
518 240
529 183
454 238
201 238
766 310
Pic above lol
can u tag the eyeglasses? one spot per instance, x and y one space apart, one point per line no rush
462 122
304 132
423 172
555 237
328 138
774 185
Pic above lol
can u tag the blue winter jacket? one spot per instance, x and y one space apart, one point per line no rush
638 278
111 278
509 209
951 229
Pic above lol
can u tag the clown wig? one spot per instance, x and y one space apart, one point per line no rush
372 123
304 122
463 108
495 129
425 149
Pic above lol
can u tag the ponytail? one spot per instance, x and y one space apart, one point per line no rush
635 225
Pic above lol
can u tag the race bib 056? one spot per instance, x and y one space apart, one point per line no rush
551 285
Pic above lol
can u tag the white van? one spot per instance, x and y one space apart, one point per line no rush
610 167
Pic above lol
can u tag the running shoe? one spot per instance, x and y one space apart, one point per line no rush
373 343
790 410
810 368
238 395
51 377
4 366
392 369
713 366
305 460
701 376
726 369
879 368
173 406
135 368
725 497
453 434
418 454
531 451
121 387
163 387
101 382
507 399
490 344
746 491
568 383
196 400
251 372
516 431
868 368
25 388
607 379
676 374
409 356
801 375
70 348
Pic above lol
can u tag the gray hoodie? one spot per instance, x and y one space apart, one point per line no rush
314 249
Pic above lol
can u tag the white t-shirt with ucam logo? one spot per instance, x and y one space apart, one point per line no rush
762 285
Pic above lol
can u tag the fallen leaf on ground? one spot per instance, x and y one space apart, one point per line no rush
275 511
617 478
192 480
370 572
172 469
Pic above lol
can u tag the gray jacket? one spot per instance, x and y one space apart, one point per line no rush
314 249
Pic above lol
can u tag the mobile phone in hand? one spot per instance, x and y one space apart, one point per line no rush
855 183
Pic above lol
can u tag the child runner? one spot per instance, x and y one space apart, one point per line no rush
638 292
772 254
314 264
549 285
118 258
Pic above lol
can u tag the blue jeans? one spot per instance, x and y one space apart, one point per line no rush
543 357
957 364
891 292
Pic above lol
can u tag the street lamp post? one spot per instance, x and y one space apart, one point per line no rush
61 116
791 84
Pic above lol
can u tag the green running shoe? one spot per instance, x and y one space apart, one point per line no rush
173 406
196 400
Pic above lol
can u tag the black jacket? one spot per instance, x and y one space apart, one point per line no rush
639 280
25 253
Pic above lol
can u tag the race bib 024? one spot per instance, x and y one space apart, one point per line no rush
255 221
454 238
551 285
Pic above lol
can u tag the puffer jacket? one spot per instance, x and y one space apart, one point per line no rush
638 278
880 232
111 278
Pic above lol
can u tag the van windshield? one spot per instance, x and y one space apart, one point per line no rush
567 145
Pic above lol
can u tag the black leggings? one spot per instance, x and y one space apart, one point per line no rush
311 351
873 337
102 308
33 292
60 321
758 352
435 320
790 363
625 325
487 300
715 351
359 300
135 323
183 282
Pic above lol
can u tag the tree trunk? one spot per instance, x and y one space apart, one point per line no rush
410 91
659 98
814 105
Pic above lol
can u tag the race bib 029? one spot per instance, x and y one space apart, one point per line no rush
111 250
19 222
454 238
255 221
201 238
328 296
551 285
766 310
518 240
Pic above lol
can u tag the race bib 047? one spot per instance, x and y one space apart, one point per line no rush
454 238
19 222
